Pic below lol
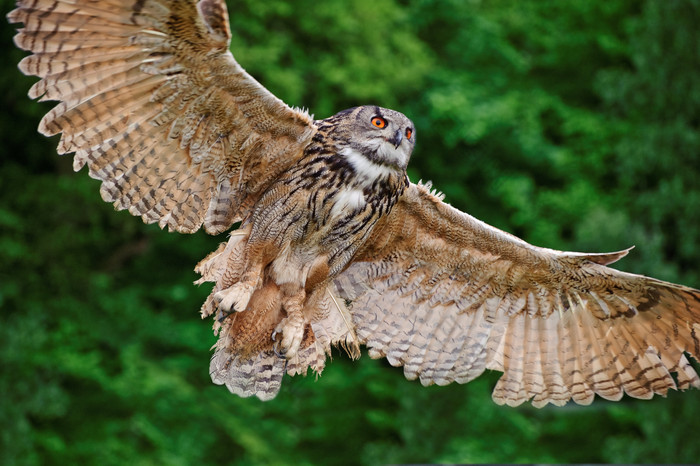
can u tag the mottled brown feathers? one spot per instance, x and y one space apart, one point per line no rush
336 247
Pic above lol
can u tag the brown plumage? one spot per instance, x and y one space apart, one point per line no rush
336 246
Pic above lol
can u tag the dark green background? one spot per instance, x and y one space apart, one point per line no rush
571 124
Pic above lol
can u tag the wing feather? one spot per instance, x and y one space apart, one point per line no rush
151 99
446 296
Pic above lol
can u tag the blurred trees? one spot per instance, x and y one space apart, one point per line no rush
572 124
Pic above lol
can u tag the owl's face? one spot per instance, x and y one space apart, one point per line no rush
380 140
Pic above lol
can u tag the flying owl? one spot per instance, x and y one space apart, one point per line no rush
336 247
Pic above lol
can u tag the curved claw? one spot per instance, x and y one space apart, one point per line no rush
279 354
223 315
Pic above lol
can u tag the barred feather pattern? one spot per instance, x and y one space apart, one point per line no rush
153 102
447 297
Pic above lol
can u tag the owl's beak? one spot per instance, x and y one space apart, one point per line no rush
396 140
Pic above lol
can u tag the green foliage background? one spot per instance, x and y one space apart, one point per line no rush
571 124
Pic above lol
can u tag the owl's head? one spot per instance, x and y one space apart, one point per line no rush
376 140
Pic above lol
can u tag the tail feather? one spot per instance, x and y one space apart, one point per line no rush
260 375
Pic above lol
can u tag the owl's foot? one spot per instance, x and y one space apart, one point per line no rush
292 331
234 298
291 327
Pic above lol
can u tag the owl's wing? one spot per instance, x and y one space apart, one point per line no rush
154 103
447 296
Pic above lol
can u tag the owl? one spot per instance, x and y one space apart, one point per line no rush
335 246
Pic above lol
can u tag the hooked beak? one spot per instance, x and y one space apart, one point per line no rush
396 140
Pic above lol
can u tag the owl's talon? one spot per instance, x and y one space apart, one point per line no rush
292 332
279 353
223 315
235 298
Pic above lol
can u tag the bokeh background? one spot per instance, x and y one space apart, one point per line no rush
574 125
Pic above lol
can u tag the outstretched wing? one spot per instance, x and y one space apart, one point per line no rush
154 103
447 296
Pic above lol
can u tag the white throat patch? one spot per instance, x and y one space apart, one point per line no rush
367 170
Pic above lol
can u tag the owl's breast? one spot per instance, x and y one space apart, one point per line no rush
348 201
320 213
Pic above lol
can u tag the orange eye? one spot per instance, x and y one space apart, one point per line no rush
379 122
409 133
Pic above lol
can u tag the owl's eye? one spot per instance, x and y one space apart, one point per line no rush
409 133
379 122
